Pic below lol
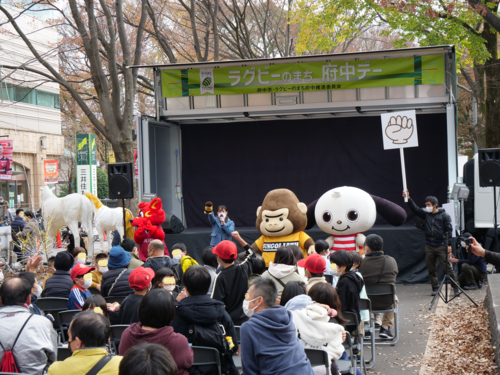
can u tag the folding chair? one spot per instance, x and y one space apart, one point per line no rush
328 278
353 326
237 329
347 366
203 355
65 318
236 357
94 291
63 353
377 291
114 299
53 305
116 332
365 304
318 357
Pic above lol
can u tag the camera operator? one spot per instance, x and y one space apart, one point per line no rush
473 268
437 232
489 256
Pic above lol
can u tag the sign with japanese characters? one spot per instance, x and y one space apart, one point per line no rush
316 76
86 163
6 154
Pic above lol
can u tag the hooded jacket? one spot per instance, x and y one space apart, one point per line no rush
36 347
282 272
122 287
315 331
269 345
437 226
58 285
348 289
176 344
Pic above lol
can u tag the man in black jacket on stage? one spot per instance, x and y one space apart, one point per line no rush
438 233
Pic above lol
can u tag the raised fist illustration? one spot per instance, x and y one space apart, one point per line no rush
399 129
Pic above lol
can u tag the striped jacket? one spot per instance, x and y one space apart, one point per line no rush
77 298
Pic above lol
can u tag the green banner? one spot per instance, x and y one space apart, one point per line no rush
86 163
315 76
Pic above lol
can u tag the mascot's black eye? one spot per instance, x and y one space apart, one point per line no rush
281 219
352 215
267 220
327 216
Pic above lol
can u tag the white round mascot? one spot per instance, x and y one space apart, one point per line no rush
346 212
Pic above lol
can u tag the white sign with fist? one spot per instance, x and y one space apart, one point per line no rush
399 130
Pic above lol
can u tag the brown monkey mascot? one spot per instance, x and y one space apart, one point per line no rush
281 220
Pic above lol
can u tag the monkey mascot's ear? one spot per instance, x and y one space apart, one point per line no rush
311 219
209 207
391 212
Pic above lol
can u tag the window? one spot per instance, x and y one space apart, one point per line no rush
15 93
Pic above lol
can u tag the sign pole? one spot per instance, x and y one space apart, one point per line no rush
403 170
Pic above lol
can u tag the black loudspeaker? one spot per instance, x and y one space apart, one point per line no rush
172 224
489 167
121 180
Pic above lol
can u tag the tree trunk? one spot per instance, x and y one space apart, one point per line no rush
492 90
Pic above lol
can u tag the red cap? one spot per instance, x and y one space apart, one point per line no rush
79 270
226 250
314 263
140 278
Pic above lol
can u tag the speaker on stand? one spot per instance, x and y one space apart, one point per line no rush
172 224
121 185
489 175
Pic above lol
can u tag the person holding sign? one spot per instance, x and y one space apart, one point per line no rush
438 233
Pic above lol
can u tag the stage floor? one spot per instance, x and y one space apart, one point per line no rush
405 244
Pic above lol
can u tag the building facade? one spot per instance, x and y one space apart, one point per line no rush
29 107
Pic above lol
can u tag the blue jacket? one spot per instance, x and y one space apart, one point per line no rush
476 261
16 226
220 232
269 345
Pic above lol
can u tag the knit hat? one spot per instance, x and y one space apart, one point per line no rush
118 258
140 278
64 261
226 250
314 263
80 269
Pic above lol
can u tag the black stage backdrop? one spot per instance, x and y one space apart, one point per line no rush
236 164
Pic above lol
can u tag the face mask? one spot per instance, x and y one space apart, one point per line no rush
429 209
169 287
38 291
249 312
103 269
80 261
86 284
178 257
222 215
463 244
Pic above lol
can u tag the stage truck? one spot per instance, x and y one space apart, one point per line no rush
230 131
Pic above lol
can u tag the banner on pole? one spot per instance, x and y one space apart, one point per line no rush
111 157
51 171
86 163
316 76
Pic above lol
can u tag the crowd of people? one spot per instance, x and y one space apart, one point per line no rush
231 302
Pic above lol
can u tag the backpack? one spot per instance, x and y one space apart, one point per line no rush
9 363
214 336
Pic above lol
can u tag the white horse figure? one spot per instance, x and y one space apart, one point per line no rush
68 210
109 220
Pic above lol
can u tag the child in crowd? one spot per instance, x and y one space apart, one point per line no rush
315 267
179 253
349 285
79 255
299 255
323 248
165 278
210 263
50 266
82 279
357 260
101 263
140 281
231 283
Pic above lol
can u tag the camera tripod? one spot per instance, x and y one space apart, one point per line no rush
446 280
